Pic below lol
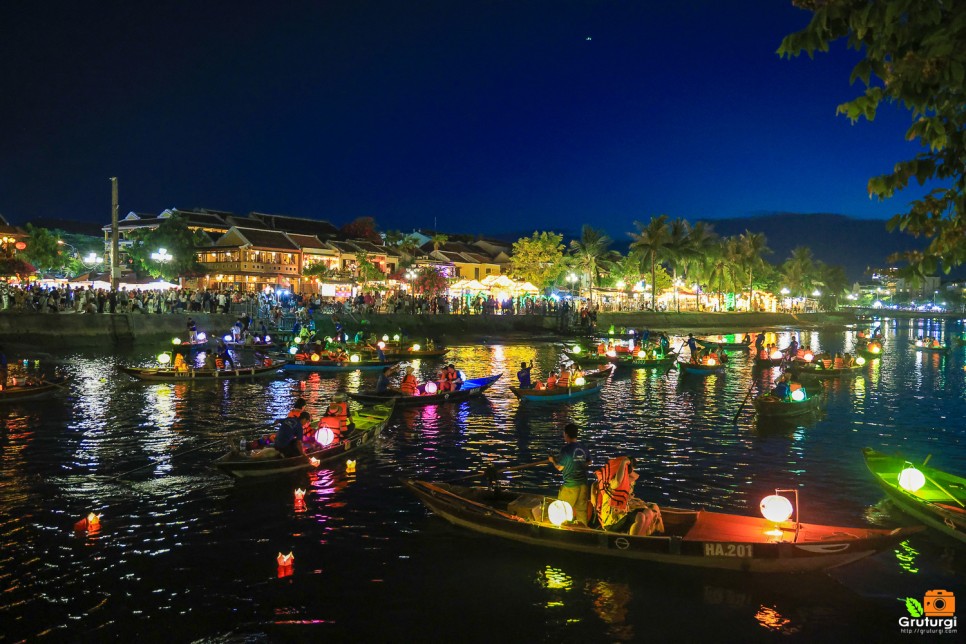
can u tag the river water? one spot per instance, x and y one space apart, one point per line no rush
186 553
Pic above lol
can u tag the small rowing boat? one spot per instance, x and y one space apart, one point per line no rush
701 369
337 366
818 371
18 392
696 538
728 346
621 360
936 498
774 408
472 388
922 346
368 424
593 382
167 374
765 363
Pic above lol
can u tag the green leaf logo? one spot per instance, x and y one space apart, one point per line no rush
914 607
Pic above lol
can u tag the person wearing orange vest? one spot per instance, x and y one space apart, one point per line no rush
601 349
613 490
564 379
336 417
442 381
455 381
552 380
409 384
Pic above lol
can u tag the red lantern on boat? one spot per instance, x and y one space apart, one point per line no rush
314 461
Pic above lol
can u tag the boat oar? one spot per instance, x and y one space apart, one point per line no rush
187 451
944 490
734 421
675 363
490 472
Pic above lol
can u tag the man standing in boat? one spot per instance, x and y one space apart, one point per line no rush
524 375
573 461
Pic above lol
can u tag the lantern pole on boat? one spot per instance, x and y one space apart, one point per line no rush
777 509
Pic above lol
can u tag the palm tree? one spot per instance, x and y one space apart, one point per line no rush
834 282
751 247
409 246
589 253
799 270
702 244
723 270
677 250
438 240
650 243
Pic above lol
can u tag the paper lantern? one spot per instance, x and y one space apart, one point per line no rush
176 341
354 357
611 353
431 388
227 338
314 462
324 436
285 561
298 339
860 361
350 466
381 344
776 355
299 494
776 508
808 356
559 512
918 343
576 348
395 338
315 357
641 354
164 358
712 362
293 350
911 479
579 381
385 337
268 339
798 395
202 337
91 523
416 347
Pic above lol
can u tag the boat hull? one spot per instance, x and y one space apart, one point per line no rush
369 422
811 371
621 361
191 375
337 367
700 369
739 545
933 506
769 407
17 393
558 394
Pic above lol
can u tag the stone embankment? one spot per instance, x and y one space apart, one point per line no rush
64 331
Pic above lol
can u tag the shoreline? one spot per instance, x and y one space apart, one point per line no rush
70 330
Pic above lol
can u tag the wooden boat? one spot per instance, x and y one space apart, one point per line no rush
922 347
816 371
593 382
771 407
728 346
18 392
369 423
409 354
868 353
472 388
940 503
186 345
335 366
168 374
696 538
701 369
621 360
255 346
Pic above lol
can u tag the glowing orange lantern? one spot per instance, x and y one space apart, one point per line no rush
315 357
712 362
314 462
299 494
350 466
808 356
776 355
324 436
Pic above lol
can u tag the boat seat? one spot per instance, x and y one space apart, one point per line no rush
527 506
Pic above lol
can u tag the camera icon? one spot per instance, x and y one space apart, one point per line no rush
939 603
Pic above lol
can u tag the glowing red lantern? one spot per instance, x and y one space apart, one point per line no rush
20 245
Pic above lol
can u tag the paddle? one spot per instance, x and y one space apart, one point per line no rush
944 490
490 472
675 363
188 451
734 421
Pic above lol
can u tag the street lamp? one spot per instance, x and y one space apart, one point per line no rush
92 259
816 293
162 256
571 278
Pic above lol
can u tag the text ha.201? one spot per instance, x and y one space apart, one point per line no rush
728 550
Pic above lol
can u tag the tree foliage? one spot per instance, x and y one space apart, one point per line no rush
362 228
177 239
43 251
591 257
429 282
368 271
538 259
914 55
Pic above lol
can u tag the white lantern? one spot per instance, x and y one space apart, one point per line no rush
431 388
798 396
559 512
776 508
911 479
354 357
324 436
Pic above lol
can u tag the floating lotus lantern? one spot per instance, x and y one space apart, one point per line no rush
350 466
299 500
90 524
285 564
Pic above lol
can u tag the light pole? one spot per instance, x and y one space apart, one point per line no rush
163 257
91 260
571 278
785 293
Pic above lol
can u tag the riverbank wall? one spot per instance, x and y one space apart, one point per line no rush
68 330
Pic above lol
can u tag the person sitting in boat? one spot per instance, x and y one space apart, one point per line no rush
563 381
210 364
760 341
935 344
601 348
552 379
179 363
288 439
746 340
524 375
612 494
665 343
336 418
442 381
408 387
455 381
782 390
838 362
848 359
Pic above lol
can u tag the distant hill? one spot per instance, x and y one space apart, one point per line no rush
855 244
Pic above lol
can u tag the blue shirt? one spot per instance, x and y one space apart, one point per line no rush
575 460
288 433
524 377
382 384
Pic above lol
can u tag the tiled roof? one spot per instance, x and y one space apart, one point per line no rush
270 239
307 241
298 225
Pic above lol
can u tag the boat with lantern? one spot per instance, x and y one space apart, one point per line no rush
593 382
696 538
870 351
773 361
707 343
701 368
936 498
200 342
817 370
798 404
367 424
169 374
354 363
621 360
922 345
18 389
412 353
472 388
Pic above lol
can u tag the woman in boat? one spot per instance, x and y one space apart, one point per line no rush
409 384
442 380
563 381
455 382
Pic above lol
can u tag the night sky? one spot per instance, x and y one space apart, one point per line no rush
491 117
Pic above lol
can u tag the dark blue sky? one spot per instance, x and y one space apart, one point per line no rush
490 116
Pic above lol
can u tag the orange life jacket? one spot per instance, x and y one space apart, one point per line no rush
839 363
614 485
337 424
552 381
408 385
601 349
564 379
219 363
